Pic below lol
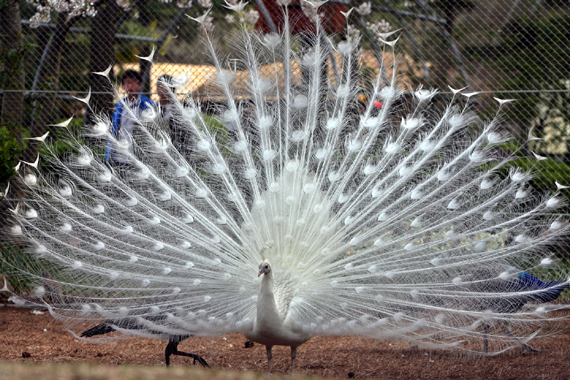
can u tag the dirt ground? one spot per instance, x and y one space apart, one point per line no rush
29 337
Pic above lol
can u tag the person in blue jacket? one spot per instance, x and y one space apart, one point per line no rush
122 121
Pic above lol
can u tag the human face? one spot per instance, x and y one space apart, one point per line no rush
162 94
132 86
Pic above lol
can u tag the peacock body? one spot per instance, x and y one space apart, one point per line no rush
399 222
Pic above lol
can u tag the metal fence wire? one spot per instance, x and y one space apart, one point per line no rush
504 49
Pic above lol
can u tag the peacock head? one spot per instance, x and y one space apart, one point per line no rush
264 268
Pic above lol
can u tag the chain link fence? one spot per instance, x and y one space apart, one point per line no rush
506 49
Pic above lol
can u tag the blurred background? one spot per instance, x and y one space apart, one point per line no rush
508 49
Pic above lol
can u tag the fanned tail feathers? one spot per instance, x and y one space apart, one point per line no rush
394 222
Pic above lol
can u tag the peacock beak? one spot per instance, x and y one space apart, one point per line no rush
260 272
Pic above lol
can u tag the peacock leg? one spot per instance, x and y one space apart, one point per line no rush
172 349
485 340
293 356
269 356
521 343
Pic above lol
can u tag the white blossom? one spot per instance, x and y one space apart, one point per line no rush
183 3
379 28
352 33
251 16
90 11
205 3
125 4
73 8
208 24
364 9
40 17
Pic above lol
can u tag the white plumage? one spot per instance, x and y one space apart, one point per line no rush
386 223
275 321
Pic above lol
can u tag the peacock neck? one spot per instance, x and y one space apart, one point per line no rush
266 305
267 284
